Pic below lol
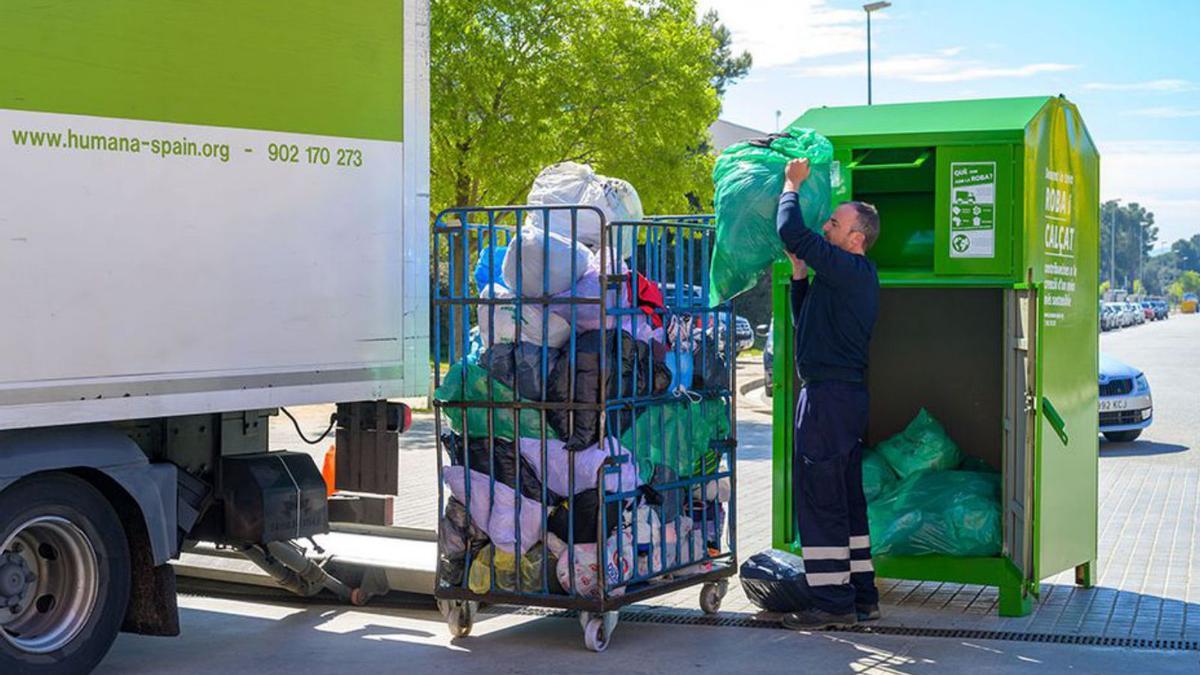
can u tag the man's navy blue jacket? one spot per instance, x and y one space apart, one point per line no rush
834 317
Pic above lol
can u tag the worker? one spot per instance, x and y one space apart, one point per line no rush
834 315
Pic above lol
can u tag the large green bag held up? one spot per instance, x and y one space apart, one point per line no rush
469 382
747 181
923 446
954 513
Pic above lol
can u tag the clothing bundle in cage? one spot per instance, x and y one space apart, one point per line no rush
586 409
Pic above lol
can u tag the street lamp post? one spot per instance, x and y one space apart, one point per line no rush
871 7
1112 250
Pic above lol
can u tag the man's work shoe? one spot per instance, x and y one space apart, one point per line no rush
867 612
816 619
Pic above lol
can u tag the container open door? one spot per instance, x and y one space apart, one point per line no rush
1061 208
1020 368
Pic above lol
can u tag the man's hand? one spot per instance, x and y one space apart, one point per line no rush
795 174
799 269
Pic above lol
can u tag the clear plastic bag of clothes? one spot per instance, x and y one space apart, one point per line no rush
532 577
954 513
747 179
923 446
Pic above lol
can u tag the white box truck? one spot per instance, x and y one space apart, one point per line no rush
208 210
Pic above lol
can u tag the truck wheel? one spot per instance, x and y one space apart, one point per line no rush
1123 436
64 575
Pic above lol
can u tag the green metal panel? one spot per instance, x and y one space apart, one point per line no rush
897 124
1061 206
1045 239
783 393
973 232
901 183
305 66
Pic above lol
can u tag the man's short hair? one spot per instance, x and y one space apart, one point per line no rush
868 223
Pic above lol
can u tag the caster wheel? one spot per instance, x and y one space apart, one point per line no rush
444 608
598 630
711 595
461 617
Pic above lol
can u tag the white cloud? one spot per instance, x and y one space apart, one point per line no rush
1160 175
938 67
778 34
1165 112
1166 85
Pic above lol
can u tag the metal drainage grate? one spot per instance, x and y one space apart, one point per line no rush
747 621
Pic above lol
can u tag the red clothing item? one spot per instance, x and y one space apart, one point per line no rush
649 299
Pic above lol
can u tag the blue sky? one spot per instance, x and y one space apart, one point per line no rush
1133 68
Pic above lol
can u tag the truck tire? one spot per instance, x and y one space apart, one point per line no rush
64 575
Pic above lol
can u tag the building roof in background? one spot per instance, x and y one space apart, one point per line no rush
725 134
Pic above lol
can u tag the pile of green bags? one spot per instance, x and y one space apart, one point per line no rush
747 181
924 498
953 513
878 477
922 446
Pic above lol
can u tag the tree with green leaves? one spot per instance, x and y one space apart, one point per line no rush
1187 253
1131 227
1188 282
628 86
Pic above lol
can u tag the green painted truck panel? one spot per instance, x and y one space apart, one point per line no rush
304 66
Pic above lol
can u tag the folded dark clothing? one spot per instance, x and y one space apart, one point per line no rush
631 370
520 366
584 512
501 463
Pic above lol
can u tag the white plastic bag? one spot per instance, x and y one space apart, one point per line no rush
543 272
498 517
572 183
585 464
497 322
665 543
587 572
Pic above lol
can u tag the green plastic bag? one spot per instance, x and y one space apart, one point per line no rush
922 446
747 181
954 513
677 435
878 478
479 579
475 388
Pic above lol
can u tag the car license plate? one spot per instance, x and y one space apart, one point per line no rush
1113 404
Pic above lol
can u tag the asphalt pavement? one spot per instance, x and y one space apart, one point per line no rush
1148 590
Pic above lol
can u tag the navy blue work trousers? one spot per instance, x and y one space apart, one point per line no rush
829 505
